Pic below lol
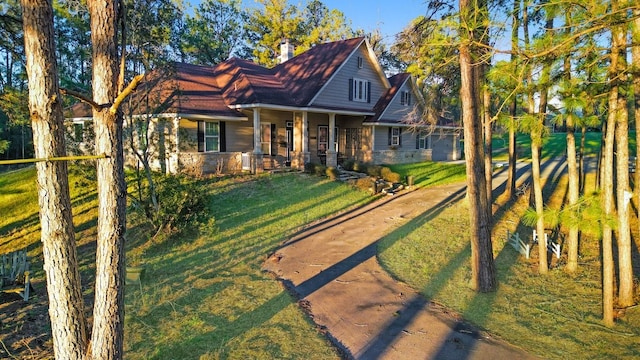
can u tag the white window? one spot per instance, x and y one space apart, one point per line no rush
360 62
360 90
265 138
424 140
405 98
395 136
211 136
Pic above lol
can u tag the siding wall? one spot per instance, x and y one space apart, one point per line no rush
336 93
445 147
397 112
407 138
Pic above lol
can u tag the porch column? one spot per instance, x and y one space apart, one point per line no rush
257 149
305 137
175 154
257 165
332 155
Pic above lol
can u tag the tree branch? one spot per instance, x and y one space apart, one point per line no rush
83 98
126 92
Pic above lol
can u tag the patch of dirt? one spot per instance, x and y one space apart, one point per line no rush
25 329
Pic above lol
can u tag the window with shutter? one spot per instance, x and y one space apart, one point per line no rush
211 137
359 90
395 136
405 98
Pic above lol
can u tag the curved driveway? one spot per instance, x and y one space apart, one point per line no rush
333 269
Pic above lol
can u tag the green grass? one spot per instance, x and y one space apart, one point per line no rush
431 173
208 298
203 295
557 316
554 145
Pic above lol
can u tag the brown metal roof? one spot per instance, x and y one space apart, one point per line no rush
215 91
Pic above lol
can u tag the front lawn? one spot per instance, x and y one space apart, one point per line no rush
203 295
557 316
554 145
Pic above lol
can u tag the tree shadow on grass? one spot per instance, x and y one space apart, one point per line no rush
462 339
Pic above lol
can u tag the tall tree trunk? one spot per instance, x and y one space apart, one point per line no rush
635 71
607 181
536 143
488 146
482 264
625 266
66 307
513 107
572 164
108 312
582 173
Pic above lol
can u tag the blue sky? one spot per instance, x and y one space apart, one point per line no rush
391 16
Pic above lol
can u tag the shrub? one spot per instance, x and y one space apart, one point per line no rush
320 170
309 168
181 203
332 173
390 176
364 184
374 170
360 167
348 164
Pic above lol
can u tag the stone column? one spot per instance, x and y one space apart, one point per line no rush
332 155
257 165
305 137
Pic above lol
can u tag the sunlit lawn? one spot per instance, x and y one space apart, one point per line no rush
554 145
556 316
204 295
431 173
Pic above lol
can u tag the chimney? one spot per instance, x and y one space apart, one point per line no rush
286 50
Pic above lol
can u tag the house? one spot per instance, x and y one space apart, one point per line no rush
328 104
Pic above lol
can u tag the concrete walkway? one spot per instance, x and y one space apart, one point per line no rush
332 266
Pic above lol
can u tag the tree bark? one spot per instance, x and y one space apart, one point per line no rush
536 141
488 145
607 185
108 324
513 107
572 164
625 266
66 308
635 71
482 263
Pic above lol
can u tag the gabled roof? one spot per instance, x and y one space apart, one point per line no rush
182 89
245 82
307 73
396 83
189 90
222 90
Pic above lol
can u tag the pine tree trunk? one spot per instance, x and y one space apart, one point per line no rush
572 164
108 312
66 307
606 180
625 266
510 188
488 146
635 72
574 195
482 263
